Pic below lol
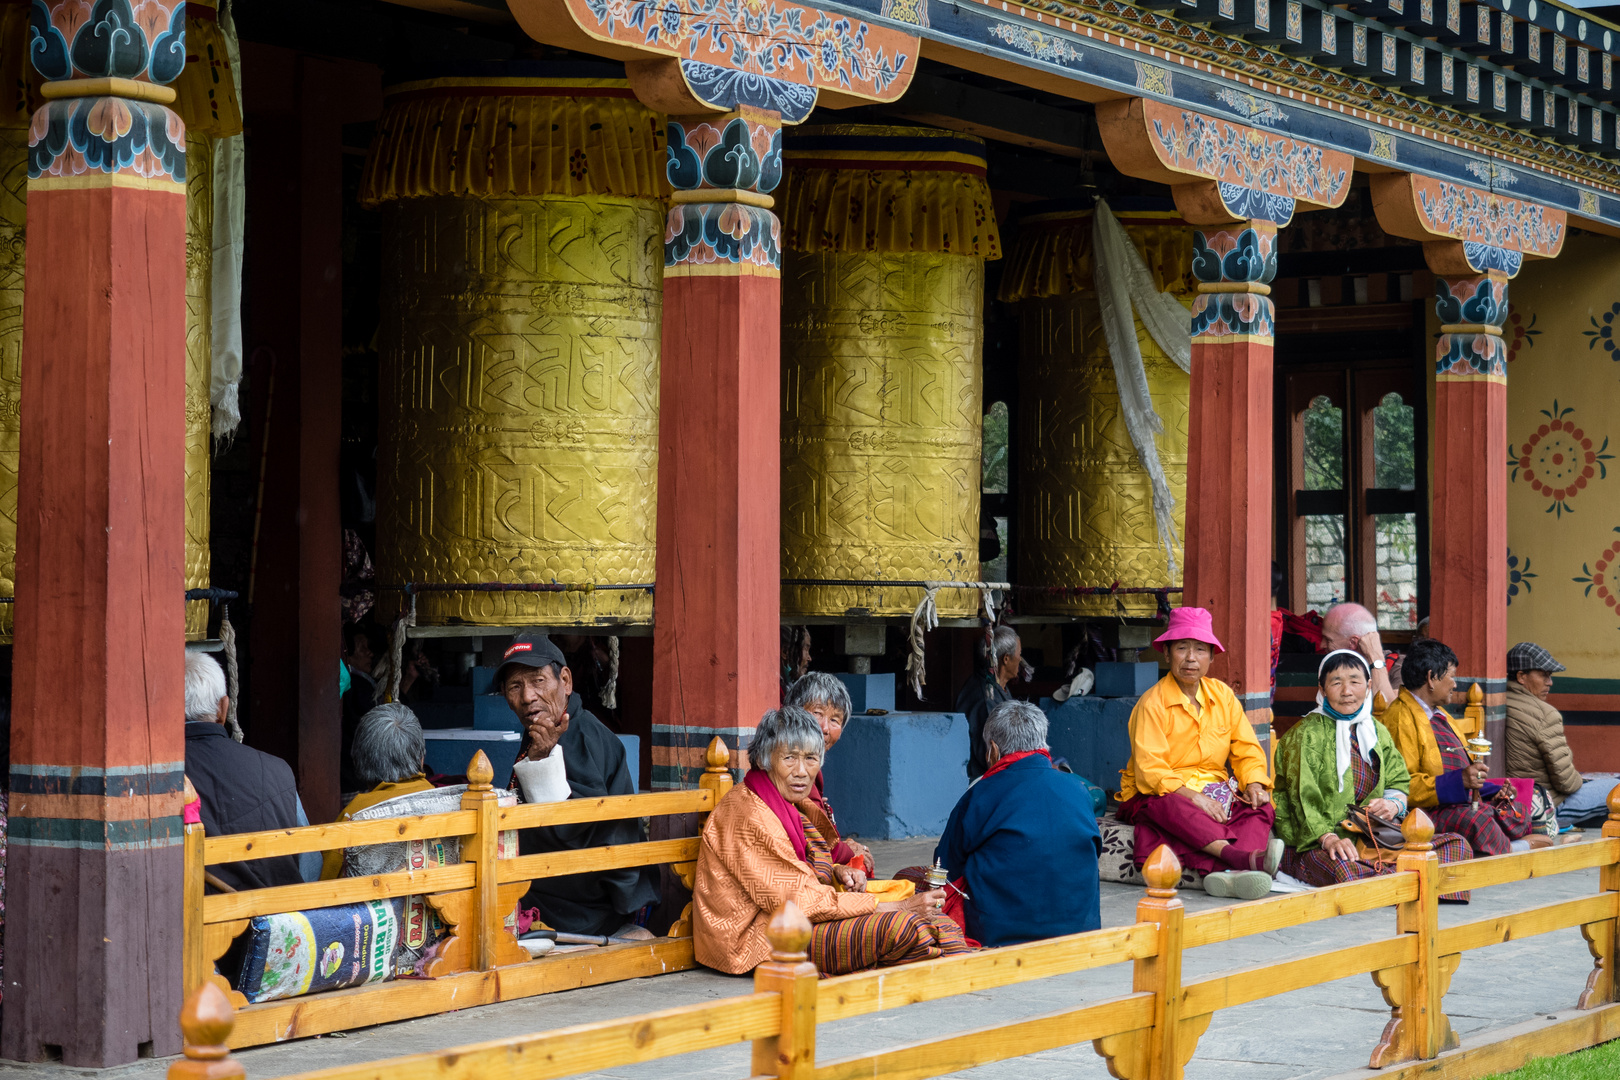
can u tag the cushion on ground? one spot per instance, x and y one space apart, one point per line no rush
1116 863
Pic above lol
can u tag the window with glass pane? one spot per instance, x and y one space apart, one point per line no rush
1395 469
1325 554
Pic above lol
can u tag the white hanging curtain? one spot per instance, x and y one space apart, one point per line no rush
1125 293
230 190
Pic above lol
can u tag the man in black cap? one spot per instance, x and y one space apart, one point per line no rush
535 679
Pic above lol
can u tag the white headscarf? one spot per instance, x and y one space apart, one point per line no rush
1361 723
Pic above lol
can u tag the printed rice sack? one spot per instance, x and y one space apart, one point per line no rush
302 952
419 923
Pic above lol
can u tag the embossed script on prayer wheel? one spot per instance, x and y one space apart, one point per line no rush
199 368
1085 504
521 317
886 232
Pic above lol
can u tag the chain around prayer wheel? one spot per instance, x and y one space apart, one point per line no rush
886 232
522 305
1085 504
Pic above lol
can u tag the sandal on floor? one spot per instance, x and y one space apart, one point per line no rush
1238 884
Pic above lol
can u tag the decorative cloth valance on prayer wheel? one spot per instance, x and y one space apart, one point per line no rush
522 306
886 230
1085 504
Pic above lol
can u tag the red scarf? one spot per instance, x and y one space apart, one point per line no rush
760 783
1007 759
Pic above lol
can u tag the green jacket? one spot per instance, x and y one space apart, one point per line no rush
1308 800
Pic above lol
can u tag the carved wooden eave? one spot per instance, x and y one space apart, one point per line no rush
696 56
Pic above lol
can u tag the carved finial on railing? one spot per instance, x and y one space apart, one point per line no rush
206 1020
718 756
1614 803
1476 696
1418 831
1162 872
789 935
480 773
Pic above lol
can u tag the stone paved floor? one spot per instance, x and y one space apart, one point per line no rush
1309 1034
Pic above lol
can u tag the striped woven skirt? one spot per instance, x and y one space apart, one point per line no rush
883 939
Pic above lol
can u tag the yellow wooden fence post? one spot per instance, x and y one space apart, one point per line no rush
206 1020
1474 712
716 778
479 939
1418 1028
194 968
1161 1052
1602 937
790 1055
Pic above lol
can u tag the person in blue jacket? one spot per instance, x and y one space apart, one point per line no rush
1022 843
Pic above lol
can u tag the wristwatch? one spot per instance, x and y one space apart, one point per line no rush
1378 664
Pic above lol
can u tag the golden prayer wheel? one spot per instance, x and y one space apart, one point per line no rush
205 98
13 222
1085 504
522 308
886 230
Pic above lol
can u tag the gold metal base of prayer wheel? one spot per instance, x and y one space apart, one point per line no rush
199 370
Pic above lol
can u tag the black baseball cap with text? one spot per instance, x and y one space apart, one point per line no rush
529 650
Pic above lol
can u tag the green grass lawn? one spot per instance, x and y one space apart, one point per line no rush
1598 1063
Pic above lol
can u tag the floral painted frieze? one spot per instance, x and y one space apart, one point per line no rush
764 54
1495 232
1257 174
1596 577
1559 459
81 39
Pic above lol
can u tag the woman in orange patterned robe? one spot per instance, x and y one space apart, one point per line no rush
765 845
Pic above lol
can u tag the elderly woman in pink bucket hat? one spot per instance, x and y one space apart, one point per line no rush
1197 780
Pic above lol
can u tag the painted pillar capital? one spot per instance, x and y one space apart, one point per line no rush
1466 231
1234 266
1221 171
107 68
723 170
696 56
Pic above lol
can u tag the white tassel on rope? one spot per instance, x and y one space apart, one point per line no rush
227 638
396 653
924 619
610 689
1124 286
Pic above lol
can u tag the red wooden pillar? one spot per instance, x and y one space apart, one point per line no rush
97 756
1229 455
717 607
1468 513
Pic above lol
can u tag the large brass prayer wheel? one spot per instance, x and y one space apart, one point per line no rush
199 369
1085 504
886 230
522 306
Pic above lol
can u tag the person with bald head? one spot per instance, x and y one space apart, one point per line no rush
1351 626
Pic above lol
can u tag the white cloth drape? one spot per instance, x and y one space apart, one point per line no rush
1125 293
230 188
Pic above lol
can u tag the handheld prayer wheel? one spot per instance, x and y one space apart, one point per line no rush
1085 504
885 234
522 307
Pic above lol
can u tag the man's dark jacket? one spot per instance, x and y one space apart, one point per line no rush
980 694
1026 842
242 790
598 903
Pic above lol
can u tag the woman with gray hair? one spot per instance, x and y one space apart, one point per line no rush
765 844
1022 813
388 755
826 698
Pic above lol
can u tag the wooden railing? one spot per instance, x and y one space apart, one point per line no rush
1147 1034
473 898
